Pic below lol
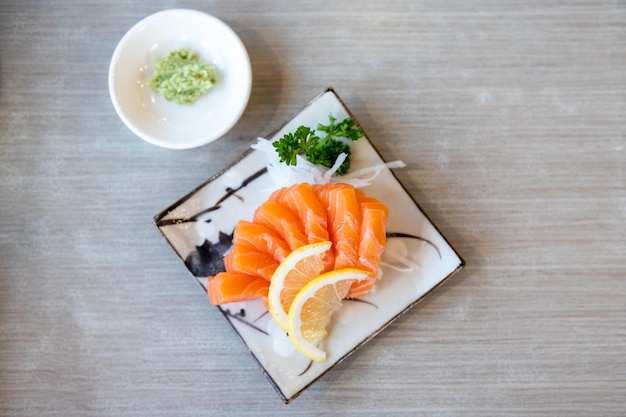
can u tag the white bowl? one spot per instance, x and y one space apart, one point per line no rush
168 124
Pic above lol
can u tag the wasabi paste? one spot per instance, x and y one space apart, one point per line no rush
181 76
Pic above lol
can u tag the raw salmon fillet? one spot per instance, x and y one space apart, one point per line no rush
372 242
261 238
282 221
296 216
251 261
344 222
301 200
230 287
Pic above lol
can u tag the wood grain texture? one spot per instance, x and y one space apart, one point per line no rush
510 117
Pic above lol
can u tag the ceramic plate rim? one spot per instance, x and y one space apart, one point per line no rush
288 398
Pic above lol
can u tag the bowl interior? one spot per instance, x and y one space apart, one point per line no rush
166 123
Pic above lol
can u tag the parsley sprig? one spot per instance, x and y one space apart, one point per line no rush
319 150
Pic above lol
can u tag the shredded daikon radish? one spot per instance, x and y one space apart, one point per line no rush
284 175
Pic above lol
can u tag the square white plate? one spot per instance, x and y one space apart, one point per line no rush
199 229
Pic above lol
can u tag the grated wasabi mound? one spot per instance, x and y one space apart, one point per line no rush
181 76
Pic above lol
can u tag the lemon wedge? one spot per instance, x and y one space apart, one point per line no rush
294 272
313 306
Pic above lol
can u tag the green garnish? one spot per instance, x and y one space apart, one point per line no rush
319 151
181 76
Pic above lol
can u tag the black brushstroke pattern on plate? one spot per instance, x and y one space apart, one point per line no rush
208 258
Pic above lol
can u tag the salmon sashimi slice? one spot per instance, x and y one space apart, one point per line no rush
249 260
371 246
279 194
344 220
230 287
281 220
373 238
261 238
302 200
372 203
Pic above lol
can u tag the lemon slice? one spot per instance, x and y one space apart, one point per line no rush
294 272
313 306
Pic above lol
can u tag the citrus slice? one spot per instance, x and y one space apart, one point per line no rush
313 307
294 272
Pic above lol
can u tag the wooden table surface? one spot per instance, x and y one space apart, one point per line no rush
510 116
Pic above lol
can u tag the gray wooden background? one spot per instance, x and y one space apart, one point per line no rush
511 117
